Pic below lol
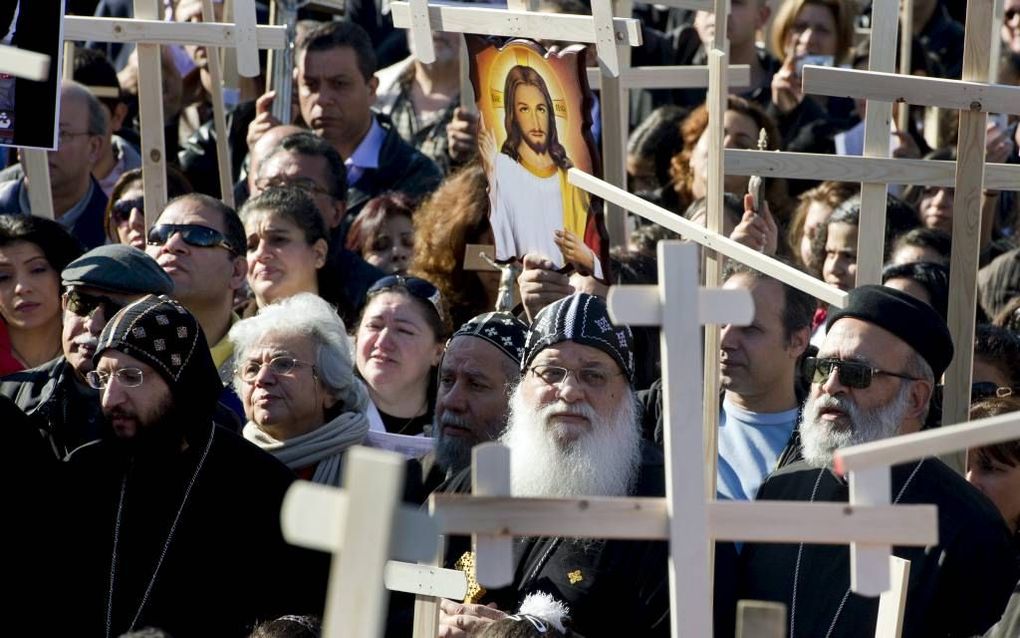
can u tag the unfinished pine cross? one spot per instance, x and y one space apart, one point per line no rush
975 101
147 31
363 524
684 518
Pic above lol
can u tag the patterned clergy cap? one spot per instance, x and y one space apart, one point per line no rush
501 329
584 319
161 333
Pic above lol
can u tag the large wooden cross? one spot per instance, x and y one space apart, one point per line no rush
685 517
364 524
147 31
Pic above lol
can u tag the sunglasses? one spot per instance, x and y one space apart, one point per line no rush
852 374
121 211
417 286
84 305
987 389
192 234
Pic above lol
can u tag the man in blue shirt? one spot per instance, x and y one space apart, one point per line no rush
758 368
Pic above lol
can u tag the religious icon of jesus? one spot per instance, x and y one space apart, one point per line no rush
533 207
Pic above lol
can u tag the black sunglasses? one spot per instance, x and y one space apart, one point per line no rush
83 304
417 286
987 389
192 234
120 212
852 374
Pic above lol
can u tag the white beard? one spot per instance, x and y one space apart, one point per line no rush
819 440
602 461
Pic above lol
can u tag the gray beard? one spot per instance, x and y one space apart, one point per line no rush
819 441
603 461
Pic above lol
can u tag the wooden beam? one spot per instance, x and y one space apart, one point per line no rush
911 447
425 580
615 112
37 169
646 519
893 602
490 476
223 164
674 77
523 24
693 5
719 243
761 619
891 87
24 64
869 562
849 168
212 34
150 115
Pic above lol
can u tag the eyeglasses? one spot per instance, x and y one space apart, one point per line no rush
987 389
67 136
417 286
594 378
120 212
282 365
852 374
192 234
128 377
84 305
305 184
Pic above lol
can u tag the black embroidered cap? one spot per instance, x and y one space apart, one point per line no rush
501 329
581 318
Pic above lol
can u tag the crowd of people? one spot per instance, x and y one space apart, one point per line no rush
163 386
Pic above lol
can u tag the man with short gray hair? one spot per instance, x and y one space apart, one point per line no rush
55 396
78 201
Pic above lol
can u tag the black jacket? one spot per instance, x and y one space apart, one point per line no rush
401 168
198 155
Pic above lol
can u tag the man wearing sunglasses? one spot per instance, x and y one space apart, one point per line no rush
199 241
872 379
56 396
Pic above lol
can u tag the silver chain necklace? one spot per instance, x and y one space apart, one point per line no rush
800 552
166 544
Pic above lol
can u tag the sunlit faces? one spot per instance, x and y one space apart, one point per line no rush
130 410
911 287
310 173
131 228
816 215
740 132
1011 25
284 405
391 248
77 150
757 360
80 335
907 254
531 115
281 263
999 481
395 345
840 267
936 208
334 96
813 32
29 287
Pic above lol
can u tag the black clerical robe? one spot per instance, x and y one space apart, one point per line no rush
957 588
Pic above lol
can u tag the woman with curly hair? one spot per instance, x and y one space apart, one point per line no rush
689 167
455 215
812 211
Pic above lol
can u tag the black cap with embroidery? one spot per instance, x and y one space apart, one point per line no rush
501 329
584 319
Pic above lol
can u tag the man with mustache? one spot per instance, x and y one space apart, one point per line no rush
176 519
573 432
55 396
873 379
534 207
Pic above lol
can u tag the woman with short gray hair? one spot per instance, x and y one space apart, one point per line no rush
295 376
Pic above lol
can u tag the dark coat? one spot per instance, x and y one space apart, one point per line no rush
227 565
401 168
957 588
88 228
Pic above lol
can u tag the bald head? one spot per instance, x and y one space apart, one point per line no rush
96 119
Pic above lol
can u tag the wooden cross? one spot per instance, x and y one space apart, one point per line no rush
147 31
363 524
685 518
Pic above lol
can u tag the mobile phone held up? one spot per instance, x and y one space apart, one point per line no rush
817 60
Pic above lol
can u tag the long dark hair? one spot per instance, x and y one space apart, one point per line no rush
526 76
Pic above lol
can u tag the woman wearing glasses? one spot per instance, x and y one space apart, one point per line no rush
295 377
124 220
398 345
287 246
33 251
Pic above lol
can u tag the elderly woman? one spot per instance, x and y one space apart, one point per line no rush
33 251
295 377
397 347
